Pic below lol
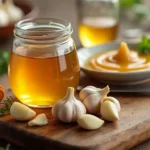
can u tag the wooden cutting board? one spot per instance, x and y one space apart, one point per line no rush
132 128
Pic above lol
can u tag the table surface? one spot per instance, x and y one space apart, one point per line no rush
66 10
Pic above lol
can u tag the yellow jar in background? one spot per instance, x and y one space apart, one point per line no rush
98 21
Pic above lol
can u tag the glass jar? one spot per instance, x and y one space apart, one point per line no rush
43 62
98 21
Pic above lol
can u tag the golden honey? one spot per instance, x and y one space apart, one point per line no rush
94 31
42 81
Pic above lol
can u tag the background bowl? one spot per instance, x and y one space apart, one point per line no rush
30 11
118 78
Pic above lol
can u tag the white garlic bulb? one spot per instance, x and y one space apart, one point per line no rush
4 19
110 109
92 97
14 13
21 112
68 109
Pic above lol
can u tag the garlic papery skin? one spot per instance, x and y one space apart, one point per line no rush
90 122
94 98
109 111
115 101
39 120
88 90
68 109
14 13
21 112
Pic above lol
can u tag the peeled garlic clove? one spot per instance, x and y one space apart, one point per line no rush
115 101
68 109
109 111
90 122
92 102
39 120
21 112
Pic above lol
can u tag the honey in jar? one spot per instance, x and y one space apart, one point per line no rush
94 31
43 62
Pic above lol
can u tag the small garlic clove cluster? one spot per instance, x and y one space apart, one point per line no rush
68 109
96 101
21 112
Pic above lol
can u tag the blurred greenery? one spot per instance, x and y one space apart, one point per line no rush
4 145
144 46
138 8
4 58
7 147
129 3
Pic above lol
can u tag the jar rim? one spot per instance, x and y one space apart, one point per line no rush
43 29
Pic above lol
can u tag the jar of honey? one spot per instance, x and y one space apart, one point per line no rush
43 62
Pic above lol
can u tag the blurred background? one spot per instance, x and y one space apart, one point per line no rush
134 15
93 21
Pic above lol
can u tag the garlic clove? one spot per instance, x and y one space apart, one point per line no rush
21 112
68 109
39 120
92 101
88 90
90 122
109 111
91 90
115 101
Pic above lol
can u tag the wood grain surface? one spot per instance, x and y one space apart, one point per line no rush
60 9
132 128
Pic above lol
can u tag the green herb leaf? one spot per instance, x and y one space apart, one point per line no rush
144 46
5 106
4 58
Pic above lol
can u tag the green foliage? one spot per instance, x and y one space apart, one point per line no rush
144 46
7 147
129 3
4 58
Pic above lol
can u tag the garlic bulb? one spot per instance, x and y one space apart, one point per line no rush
92 97
14 12
68 109
110 109
4 19
21 112
39 120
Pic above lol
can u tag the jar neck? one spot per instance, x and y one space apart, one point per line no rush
43 30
